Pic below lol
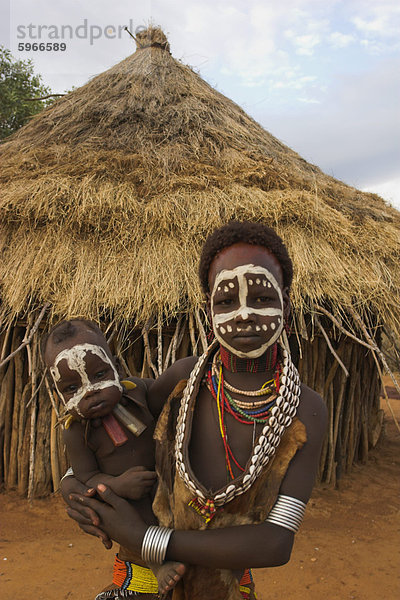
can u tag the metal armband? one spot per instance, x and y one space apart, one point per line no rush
287 512
155 543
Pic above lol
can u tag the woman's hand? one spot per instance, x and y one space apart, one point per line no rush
87 519
118 519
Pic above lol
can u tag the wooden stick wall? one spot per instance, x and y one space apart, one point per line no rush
355 417
32 455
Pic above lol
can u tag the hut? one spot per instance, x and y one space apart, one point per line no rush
106 199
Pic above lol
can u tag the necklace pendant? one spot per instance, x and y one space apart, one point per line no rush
205 509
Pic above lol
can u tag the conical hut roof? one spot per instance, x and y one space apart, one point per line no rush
107 196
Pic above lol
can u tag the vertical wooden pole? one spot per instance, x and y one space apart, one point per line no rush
192 334
34 410
159 346
55 467
23 446
18 383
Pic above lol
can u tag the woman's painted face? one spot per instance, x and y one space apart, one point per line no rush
247 302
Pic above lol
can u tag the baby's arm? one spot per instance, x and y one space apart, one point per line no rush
134 483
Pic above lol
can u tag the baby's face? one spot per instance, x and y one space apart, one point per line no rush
85 377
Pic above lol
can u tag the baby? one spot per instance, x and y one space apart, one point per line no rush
108 432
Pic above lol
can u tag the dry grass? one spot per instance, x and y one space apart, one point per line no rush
108 195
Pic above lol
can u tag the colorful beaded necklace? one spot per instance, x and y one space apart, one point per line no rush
245 413
266 389
281 416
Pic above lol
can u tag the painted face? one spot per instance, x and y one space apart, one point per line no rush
87 380
247 303
241 308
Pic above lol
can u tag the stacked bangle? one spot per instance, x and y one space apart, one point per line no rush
287 512
155 543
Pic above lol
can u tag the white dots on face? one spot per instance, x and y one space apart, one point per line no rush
245 308
244 328
279 320
273 326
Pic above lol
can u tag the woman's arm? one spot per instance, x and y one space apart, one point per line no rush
263 545
87 519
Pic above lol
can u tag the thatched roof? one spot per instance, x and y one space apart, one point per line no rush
108 195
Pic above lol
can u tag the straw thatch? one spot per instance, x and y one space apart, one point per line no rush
107 196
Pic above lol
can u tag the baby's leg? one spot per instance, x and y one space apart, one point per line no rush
168 575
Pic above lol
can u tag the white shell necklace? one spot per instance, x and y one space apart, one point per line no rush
282 415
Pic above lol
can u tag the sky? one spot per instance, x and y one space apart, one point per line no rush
323 76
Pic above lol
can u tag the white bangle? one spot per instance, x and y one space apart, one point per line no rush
287 512
155 544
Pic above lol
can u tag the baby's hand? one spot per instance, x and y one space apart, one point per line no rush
135 483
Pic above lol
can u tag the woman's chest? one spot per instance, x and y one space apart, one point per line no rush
219 445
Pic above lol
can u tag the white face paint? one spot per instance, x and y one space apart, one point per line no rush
75 358
246 275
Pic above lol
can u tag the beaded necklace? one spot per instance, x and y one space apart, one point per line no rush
263 391
253 412
244 414
281 417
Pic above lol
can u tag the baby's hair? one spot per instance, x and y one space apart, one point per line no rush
246 232
65 330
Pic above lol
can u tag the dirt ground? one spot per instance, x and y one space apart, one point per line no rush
348 546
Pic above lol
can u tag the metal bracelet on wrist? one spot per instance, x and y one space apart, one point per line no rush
287 512
155 544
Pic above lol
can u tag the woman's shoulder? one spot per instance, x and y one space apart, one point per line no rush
167 381
312 411
183 367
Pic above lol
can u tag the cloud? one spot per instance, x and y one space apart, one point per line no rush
309 100
304 66
382 24
306 44
246 40
376 20
374 47
340 40
353 132
389 190
293 80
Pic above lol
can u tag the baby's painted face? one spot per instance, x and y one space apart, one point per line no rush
86 380
247 304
